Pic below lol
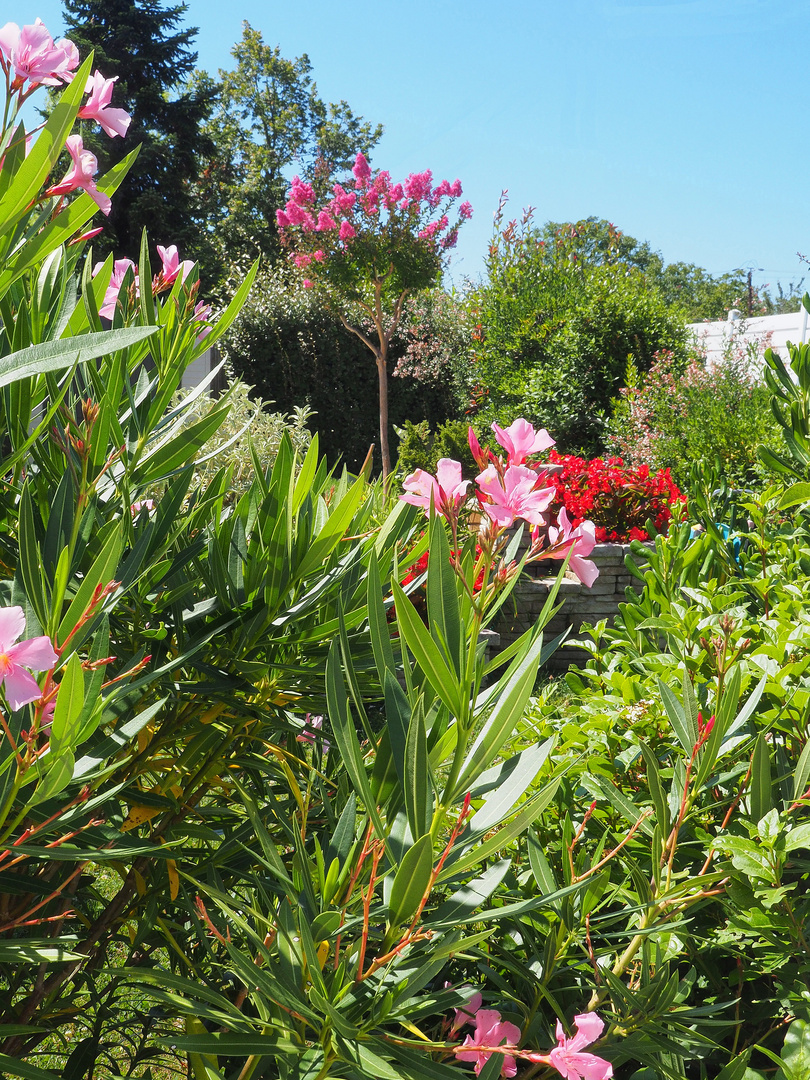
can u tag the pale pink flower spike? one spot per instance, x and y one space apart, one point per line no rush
19 686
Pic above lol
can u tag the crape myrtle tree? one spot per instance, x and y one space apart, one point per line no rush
268 118
367 249
140 44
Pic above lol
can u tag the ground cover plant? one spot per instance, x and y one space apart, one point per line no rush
252 827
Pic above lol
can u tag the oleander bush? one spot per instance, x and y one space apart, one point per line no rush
260 816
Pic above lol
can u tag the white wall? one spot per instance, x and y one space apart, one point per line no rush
772 331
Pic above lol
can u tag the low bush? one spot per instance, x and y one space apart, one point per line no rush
672 417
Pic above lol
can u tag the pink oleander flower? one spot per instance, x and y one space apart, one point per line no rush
202 313
66 69
513 495
447 488
490 1033
146 504
478 454
33 55
347 230
361 170
113 121
581 541
567 1058
467 1013
19 685
80 175
172 267
520 439
313 730
120 268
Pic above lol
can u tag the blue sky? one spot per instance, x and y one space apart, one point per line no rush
685 123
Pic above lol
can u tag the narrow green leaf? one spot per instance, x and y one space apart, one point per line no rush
511 697
69 704
55 355
426 653
418 789
760 794
677 717
102 572
442 598
411 881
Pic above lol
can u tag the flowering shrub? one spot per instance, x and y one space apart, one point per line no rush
507 491
368 248
617 498
674 416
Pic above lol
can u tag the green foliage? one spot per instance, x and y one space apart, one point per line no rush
556 335
295 352
249 439
790 386
141 45
268 117
421 448
671 418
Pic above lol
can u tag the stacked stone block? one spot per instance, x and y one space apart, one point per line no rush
579 603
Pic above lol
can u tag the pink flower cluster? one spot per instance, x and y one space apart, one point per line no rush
171 269
19 686
508 491
414 200
34 57
29 57
493 1035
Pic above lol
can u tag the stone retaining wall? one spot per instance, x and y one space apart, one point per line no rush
580 604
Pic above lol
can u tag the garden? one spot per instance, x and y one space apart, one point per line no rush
269 805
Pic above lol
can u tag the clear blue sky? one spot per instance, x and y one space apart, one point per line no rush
685 123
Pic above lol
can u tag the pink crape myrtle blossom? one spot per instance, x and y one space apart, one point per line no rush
567 1057
172 267
347 230
80 175
490 1032
581 542
97 107
447 488
120 268
34 56
520 439
362 171
467 1013
19 685
513 495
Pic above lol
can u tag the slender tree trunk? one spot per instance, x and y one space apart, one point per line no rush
382 375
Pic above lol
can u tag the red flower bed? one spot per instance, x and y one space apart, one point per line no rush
619 500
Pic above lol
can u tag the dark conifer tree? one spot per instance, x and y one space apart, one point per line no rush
142 43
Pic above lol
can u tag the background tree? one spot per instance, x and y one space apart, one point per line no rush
366 250
139 43
561 315
268 119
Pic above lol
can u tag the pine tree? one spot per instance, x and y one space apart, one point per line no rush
140 43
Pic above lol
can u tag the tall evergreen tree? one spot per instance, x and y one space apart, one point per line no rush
141 43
